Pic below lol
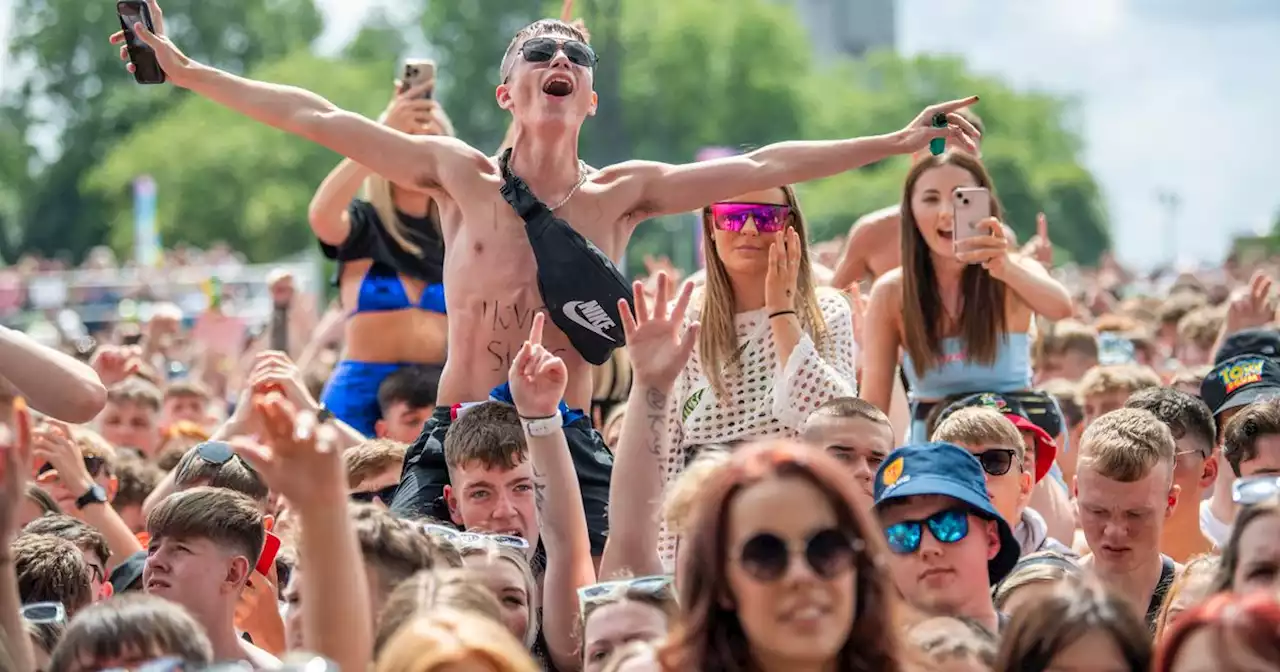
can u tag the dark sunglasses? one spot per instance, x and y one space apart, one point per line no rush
543 49
384 495
650 585
767 557
947 526
93 465
768 217
1254 489
44 612
996 461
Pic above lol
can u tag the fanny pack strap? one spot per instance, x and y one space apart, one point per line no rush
519 196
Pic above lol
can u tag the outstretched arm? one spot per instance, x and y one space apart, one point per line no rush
664 189
399 157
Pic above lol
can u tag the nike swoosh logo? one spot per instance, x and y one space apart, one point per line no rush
571 311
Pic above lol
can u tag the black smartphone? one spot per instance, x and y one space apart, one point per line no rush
146 69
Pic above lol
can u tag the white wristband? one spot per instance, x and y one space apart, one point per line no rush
539 427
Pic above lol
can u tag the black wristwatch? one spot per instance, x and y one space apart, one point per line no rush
96 495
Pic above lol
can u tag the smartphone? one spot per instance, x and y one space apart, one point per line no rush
971 205
418 71
146 69
270 547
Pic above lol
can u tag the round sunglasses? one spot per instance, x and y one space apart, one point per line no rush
732 217
948 526
767 557
543 49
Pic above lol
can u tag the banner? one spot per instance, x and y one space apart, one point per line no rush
146 240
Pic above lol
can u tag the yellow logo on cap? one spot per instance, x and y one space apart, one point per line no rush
891 473
1241 374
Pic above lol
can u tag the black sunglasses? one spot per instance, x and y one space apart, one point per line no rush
996 461
384 495
767 557
543 49
92 464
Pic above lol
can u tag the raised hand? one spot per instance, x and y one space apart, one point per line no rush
990 250
114 363
1040 247
274 370
15 468
784 270
657 348
537 377
409 112
1252 306
298 456
53 443
920 131
177 67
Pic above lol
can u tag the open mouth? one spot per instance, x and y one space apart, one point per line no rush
946 235
558 87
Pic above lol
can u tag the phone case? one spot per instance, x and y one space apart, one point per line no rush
417 71
972 205
270 547
146 69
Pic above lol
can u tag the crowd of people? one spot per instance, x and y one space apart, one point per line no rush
931 451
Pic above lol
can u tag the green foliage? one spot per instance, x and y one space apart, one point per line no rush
223 177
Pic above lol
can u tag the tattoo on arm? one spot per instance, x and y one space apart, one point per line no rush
539 488
656 402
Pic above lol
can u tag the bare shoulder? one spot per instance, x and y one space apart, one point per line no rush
877 222
455 163
887 290
625 185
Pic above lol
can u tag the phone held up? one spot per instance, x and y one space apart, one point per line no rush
418 71
146 69
971 206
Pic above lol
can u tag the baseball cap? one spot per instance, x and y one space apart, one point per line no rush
1240 381
951 471
1265 342
1046 448
128 574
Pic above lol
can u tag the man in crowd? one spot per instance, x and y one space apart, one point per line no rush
854 432
547 85
1125 493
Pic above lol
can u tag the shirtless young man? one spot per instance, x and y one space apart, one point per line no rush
490 273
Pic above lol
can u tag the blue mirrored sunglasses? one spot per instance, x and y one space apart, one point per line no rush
948 527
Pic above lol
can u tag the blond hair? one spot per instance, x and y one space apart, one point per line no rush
718 340
446 638
683 492
1127 378
980 427
1063 337
1200 327
1126 444
430 590
372 458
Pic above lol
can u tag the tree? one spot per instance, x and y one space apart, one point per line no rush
77 88
234 179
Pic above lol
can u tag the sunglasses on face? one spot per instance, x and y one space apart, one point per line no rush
44 612
767 557
93 465
947 526
460 538
1254 489
650 585
996 461
384 495
543 49
732 217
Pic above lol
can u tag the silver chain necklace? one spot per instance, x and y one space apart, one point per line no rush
582 178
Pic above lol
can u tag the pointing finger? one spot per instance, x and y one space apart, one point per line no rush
566 11
950 106
1042 226
535 334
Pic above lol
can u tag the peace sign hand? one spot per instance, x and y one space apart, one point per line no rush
784 270
537 377
920 131
177 67
657 349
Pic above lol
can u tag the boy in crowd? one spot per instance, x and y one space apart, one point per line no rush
131 418
50 569
1066 349
1105 388
1197 334
136 480
185 401
373 470
1251 442
406 399
204 545
490 475
854 432
92 545
128 631
1125 493
1195 469
943 531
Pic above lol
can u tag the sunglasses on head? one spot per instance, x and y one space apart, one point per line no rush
947 526
650 585
459 538
996 461
732 217
92 464
384 495
217 453
767 557
1254 489
44 612
543 49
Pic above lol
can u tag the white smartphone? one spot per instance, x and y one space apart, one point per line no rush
970 205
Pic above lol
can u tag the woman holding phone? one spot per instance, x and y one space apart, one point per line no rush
390 257
961 306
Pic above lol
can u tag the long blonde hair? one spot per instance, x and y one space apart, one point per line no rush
718 340
446 638
377 191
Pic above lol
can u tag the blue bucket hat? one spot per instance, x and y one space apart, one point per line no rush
951 471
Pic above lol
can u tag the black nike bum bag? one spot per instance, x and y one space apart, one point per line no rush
580 284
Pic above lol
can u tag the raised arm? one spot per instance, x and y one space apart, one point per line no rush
665 189
54 383
404 159
880 354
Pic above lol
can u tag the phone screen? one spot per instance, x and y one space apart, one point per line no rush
146 67
131 14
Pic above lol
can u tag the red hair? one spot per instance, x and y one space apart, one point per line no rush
1251 622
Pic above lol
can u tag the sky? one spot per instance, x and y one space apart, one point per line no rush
1177 96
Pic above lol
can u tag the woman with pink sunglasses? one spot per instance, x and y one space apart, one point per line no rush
772 346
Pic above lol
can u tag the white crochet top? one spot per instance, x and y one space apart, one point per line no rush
766 398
